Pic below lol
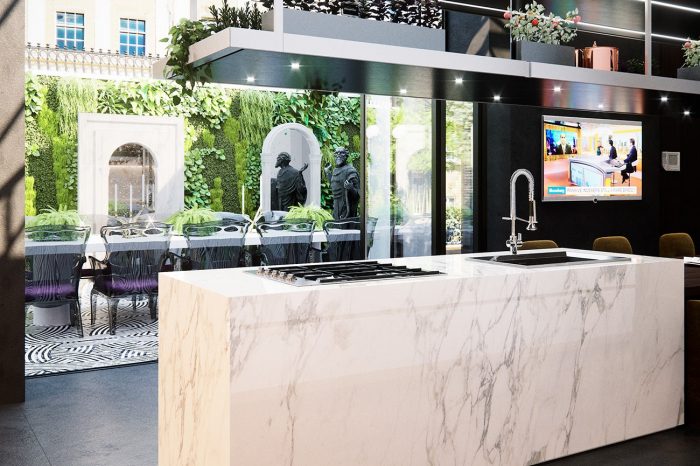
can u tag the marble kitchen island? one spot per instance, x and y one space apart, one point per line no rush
487 364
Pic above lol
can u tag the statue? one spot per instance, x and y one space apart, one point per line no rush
345 186
290 185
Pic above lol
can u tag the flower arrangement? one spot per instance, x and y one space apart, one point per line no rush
691 53
534 26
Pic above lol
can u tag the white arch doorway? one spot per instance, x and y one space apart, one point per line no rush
99 136
299 142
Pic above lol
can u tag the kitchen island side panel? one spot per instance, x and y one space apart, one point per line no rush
194 357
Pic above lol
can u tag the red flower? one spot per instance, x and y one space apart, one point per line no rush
555 23
507 15
687 45
577 19
535 22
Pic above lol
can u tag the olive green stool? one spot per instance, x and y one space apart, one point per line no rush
676 245
538 244
615 244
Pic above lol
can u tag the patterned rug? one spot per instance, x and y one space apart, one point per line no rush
58 349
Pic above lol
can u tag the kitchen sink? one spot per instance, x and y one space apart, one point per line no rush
550 259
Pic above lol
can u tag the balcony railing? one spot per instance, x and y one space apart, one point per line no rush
48 59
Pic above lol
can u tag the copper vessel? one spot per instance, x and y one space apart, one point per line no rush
598 58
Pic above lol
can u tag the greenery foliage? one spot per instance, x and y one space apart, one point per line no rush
426 13
34 95
691 53
193 216
256 121
225 130
246 17
315 213
534 25
51 216
217 196
29 196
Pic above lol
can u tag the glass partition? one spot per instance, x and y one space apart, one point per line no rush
399 169
459 177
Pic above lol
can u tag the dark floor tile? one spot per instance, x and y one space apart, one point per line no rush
18 444
97 418
675 447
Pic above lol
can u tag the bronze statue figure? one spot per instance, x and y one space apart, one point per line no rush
345 186
290 185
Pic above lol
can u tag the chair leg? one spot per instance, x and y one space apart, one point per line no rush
153 306
78 317
93 304
133 303
112 307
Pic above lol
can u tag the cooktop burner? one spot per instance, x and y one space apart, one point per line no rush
343 272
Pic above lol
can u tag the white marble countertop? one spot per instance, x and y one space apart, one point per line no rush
243 282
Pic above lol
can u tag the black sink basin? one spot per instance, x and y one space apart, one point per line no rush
542 259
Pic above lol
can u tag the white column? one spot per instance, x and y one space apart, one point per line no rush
193 9
35 23
647 37
104 25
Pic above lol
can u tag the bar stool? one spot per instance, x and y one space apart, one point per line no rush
538 244
676 245
615 244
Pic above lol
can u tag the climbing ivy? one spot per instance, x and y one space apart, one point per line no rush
196 188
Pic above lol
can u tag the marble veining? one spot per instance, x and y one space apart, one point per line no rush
486 365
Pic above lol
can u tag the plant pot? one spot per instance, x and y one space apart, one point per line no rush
545 53
689 73
310 23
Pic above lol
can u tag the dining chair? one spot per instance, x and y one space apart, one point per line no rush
135 256
676 245
54 257
343 240
538 244
285 241
614 244
215 245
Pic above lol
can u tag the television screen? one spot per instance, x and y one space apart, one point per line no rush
586 158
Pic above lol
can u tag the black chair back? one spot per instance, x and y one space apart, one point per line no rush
344 240
135 256
286 241
215 245
54 256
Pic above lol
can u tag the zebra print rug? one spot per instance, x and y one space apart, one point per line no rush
59 349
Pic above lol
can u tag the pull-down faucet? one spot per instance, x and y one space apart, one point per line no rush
515 241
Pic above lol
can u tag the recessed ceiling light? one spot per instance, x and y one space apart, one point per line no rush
686 112
601 106
403 91
296 65
459 80
250 79
664 98
496 98
557 88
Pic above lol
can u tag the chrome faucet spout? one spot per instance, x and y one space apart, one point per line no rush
515 240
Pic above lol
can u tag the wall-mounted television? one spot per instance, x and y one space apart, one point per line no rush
591 159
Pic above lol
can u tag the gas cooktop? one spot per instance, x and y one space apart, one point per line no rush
342 272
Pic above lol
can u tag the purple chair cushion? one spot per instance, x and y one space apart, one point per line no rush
45 292
117 286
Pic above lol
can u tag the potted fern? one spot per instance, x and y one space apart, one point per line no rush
691 65
310 212
196 216
539 37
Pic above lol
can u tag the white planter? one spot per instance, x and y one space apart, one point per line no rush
362 30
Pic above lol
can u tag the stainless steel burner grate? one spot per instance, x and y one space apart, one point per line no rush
342 272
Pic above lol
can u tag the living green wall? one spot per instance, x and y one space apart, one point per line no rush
225 129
